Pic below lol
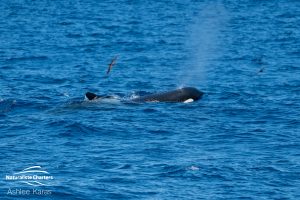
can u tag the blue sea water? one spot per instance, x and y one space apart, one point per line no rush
241 141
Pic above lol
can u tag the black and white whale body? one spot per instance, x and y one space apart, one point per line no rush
180 95
187 94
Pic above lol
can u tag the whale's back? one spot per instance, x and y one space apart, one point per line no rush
179 95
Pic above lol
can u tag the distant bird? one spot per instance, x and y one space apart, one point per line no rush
261 70
113 62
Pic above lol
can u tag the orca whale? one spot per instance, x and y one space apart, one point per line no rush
186 94
180 95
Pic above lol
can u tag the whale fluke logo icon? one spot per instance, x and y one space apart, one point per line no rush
32 170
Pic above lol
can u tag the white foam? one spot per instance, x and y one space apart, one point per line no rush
109 100
194 168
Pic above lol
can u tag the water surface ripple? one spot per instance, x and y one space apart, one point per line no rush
241 141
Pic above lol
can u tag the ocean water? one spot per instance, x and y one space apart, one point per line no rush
240 141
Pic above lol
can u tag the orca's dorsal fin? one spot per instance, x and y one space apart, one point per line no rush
90 96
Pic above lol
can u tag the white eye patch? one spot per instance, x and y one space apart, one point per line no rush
188 101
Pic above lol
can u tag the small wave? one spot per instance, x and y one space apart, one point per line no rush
34 183
50 80
137 94
193 168
6 105
150 110
172 171
74 35
76 129
133 96
112 99
96 35
266 169
125 166
65 23
25 58
286 15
